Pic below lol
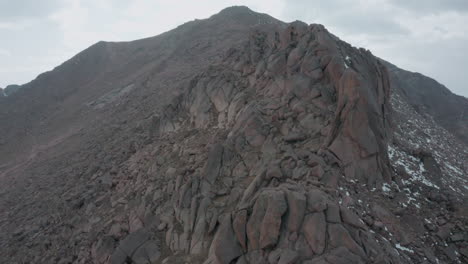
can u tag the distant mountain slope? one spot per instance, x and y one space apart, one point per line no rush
58 100
10 89
427 96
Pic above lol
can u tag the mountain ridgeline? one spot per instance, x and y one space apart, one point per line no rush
234 139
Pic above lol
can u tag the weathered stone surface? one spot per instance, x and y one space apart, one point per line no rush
129 246
317 171
253 124
301 246
274 172
342 255
148 253
294 137
315 229
288 256
351 218
316 200
271 223
276 63
256 256
318 260
213 164
296 209
359 127
135 222
134 240
224 247
274 255
255 221
239 226
340 237
201 228
253 128
311 123
333 213
252 189
102 250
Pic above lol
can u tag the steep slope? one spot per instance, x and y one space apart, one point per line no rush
235 139
428 97
64 97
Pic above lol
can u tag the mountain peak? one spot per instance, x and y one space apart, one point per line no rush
245 15
233 139
236 10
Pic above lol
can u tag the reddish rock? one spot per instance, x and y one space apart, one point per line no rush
255 221
315 228
350 218
317 172
239 226
342 255
210 133
288 257
296 210
340 237
271 223
316 200
225 246
310 63
276 63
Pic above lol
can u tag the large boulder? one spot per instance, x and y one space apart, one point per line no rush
225 246
315 230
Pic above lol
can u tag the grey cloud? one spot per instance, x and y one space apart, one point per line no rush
348 15
432 6
12 10
368 24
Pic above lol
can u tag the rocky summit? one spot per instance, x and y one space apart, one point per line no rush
234 139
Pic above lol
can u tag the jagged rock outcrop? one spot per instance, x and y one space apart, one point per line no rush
295 114
272 143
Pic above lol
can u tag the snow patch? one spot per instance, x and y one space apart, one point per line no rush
400 247
386 187
347 60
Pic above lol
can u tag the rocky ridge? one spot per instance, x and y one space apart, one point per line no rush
292 147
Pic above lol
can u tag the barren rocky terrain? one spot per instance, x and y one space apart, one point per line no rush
234 139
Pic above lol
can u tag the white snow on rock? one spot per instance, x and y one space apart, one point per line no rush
400 247
411 164
417 131
386 187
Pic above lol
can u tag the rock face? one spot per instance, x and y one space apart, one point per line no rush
259 142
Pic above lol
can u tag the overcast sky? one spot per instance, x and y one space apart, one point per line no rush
429 36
